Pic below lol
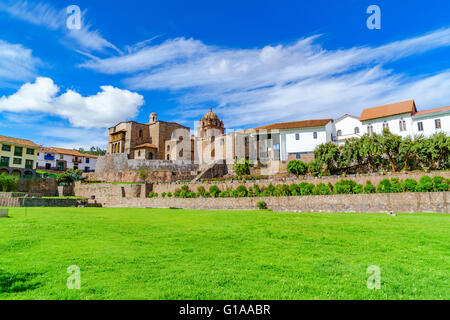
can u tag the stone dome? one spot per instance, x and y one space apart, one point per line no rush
210 115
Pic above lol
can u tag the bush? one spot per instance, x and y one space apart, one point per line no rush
242 167
409 185
201 191
240 192
359 188
425 184
314 167
169 194
344 186
437 180
297 167
143 174
321 189
214 191
369 187
256 190
262 205
306 188
71 175
384 186
152 194
163 194
8 182
190 195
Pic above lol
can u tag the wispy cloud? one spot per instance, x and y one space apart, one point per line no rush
45 15
281 82
16 63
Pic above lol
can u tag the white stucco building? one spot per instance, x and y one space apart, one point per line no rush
347 127
60 159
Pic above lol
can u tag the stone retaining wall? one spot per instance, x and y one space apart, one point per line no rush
437 202
375 179
109 193
44 186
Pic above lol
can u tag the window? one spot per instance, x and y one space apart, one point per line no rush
87 160
356 130
245 141
29 164
269 136
181 153
18 151
437 123
369 129
61 157
139 153
168 148
4 161
75 167
17 161
140 133
385 125
168 157
339 133
419 126
315 135
6 147
402 124
297 136
30 151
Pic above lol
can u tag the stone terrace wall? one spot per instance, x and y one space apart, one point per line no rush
43 186
110 193
121 163
437 202
134 176
375 179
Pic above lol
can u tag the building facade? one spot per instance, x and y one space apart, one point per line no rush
17 156
59 159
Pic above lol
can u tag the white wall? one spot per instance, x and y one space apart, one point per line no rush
347 125
428 122
393 122
63 157
306 143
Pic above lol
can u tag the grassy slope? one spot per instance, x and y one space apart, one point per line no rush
188 254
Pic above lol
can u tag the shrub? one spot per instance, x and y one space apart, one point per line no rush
425 184
191 195
321 189
8 182
384 186
163 194
396 187
297 167
143 174
214 191
437 180
314 167
262 205
443 187
344 186
240 192
359 188
242 167
409 185
169 194
69 176
306 188
256 190
293 189
152 194
201 191
369 187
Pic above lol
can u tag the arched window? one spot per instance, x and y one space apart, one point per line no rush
168 157
139 153
150 156
385 125
168 148
356 130
140 133
180 153
339 133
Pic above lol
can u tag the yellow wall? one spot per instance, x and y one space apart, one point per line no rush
24 156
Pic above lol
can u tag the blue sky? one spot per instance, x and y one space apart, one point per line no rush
254 62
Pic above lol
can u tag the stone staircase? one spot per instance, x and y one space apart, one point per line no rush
213 170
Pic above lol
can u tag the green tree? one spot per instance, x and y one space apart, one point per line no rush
370 149
329 154
297 167
390 145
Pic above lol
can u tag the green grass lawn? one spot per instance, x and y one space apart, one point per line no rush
189 254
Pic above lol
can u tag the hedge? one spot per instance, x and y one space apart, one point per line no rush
344 186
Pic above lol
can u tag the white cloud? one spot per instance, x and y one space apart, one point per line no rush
107 107
16 62
282 82
45 15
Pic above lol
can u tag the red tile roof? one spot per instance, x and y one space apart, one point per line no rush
69 152
388 110
17 141
295 124
431 111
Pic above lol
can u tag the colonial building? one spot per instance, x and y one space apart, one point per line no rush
142 141
17 156
60 159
